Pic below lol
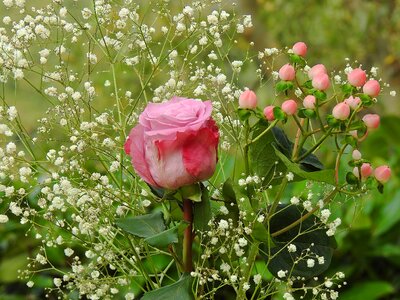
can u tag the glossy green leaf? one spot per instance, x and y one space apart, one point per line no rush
244 114
166 237
180 290
191 192
143 226
389 215
202 212
283 86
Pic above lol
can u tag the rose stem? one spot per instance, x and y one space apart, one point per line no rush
187 236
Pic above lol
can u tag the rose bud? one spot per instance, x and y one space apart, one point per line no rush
248 100
289 107
382 174
175 143
341 111
356 154
372 88
300 49
316 70
353 102
287 72
357 77
371 121
321 82
366 170
269 113
309 102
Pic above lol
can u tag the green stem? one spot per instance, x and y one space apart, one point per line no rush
307 215
188 236
264 132
253 251
317 144
278 196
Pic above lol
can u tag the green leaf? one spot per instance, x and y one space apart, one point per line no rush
305 235
166 237
10 266
347 89
370 290
320 95
244 114
279 114
308 84
389 215
327 176
191 192
351 178
283 86
306 113
143 226
229 195
297 59
180 290
202 212
365 99
263 160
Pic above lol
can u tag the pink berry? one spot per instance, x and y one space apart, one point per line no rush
371 120
287 72
309 102
289 107
372 88
382 174
321 82
269 113
248 99
353 102
341 111
366 170
317 69
300 49
356 154
357 77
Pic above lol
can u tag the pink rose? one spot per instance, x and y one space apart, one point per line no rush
372 88
321 82
269 112
316 70
289 107
341 111
175 143
300 49
248 99
287 72
357 77
382 174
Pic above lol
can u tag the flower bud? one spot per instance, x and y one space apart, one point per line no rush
248 99
287 72
353 102
341 111
309 102
372 88
366 170
300 49
357 77
382 174
317 69
321 82
289 107
356 154
371 121
269 113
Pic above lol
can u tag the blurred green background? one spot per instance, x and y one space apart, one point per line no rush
369 242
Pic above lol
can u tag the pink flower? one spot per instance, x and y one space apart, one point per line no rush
321 82
372 88
175 143
357 77
269 113
356 154
341 111
289 107
287 72
382 174
248 99
353 102
300 49
316 70
371 121
366 170
309 102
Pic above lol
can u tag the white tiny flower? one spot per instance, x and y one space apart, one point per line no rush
57 282
292 248
242 242
289 176
223 224
30 284
257 279
146 203
288 296
225 267
310 263
246 286
393 93
3 219
224 210
281 274
68 252
295 200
